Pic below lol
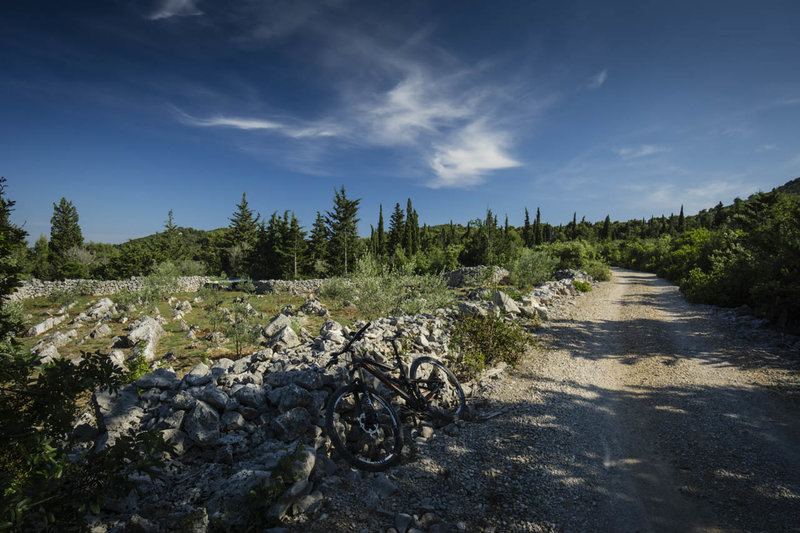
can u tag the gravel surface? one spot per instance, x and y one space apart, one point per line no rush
637 412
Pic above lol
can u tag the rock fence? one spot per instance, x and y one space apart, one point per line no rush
35 288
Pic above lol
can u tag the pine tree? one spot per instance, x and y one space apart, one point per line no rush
342 228
243 226
12 247
65 233
396 229
318 247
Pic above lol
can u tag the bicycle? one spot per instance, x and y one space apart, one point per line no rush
364 427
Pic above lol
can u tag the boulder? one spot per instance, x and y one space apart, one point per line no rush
103 330
505 303
289 397
116 413
48 353
279 322
144 336
214 397
283 339
161 378
202 424
45 325
292 424
251 395
199 375
470 308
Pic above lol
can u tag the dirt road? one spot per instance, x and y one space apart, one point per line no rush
639 412
658 415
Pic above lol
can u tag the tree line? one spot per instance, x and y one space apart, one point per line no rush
688 249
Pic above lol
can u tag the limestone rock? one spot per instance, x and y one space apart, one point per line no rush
202 424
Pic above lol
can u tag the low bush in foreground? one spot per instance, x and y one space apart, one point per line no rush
478 342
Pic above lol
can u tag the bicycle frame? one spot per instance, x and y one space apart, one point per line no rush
400 386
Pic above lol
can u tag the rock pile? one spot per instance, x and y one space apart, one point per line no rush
477 275
247 424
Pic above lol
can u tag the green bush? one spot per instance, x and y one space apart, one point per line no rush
598 270
376 292
44 483
478 342
582 286
531 268
572 254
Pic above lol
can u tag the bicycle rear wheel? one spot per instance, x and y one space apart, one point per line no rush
364 428
438 388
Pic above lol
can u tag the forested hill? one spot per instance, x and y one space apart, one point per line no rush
790 187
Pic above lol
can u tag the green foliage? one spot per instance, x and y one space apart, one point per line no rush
137 367
65 233
478 342
531 268
377 292
240 325
598 270
342 231
12 244
42 481
750 255
572 254
582 286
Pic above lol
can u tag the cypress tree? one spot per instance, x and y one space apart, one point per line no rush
606 233
538 234
527 237
381 244
681 221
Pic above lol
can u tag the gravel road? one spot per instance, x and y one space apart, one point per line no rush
637 412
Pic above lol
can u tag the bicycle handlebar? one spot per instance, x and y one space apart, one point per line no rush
335 359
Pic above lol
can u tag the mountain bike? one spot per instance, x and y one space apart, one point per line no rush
364 427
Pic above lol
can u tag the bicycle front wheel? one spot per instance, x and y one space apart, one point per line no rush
438 388
364 428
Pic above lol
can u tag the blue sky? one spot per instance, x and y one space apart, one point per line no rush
130 109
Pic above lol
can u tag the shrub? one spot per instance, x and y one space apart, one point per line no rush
582 286
532 267
137 367
44 483
598 270
572 254
481 341
376 292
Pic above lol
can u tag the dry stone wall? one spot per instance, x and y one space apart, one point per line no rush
35 288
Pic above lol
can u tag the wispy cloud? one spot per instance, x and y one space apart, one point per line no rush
474 153
176 8
254 124
766 148
411 109
396 92
598 79
634 152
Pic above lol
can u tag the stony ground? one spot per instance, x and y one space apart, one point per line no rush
637 412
